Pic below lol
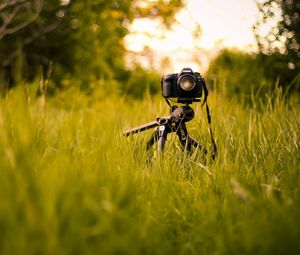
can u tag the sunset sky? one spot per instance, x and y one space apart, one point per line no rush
223 24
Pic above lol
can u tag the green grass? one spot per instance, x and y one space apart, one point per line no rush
71 184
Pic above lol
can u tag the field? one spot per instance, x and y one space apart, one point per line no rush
70 183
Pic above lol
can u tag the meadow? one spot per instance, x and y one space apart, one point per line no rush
70 183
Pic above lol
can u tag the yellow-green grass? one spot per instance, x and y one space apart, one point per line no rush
70 183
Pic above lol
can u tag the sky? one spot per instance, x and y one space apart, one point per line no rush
223 23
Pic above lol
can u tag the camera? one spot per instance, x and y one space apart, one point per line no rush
186 86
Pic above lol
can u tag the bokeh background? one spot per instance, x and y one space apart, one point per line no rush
126 46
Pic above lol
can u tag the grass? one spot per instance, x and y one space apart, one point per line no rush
71 184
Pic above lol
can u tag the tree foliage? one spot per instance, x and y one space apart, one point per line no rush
80 39
284 36
244 75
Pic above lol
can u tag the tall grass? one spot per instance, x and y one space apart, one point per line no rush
71 184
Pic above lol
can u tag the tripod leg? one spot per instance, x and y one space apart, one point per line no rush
196 144
186 140
162 137
154 138
183 136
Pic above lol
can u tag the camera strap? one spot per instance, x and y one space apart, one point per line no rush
214 151
168 103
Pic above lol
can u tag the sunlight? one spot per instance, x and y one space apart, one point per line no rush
222 24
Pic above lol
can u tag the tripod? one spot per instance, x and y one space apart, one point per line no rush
165 125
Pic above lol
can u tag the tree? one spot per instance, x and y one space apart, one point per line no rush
284 37
9 11
81 39
243 75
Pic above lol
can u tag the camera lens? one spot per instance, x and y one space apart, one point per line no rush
187 82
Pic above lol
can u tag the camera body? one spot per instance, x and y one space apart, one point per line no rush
186 86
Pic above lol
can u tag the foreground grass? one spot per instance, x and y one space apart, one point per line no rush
71 184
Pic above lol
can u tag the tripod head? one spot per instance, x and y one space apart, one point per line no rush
182 113
178 114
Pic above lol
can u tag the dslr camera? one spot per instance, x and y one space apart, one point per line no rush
186 86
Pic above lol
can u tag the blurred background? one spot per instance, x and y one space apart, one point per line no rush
243 48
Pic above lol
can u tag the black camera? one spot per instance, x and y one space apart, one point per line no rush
186 86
